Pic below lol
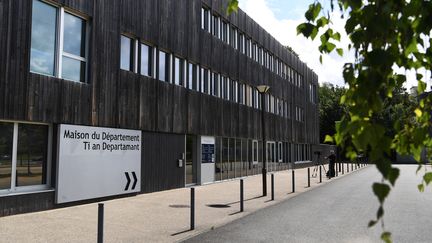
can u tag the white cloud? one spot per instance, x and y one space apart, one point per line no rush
284 30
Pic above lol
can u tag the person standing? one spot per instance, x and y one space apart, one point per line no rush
332 162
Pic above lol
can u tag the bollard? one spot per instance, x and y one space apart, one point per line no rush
352 166
336 171
347 167
192 207
320 174
308 177
272 187
241 196
100 222
293 181
343 170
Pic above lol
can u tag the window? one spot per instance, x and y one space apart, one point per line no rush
179 71
254 52
229 89
249 47
193 77
242 43
216 26
24 156
126 53
210 83
235 91
280 152
146 66
205 19
255 151
234 38
216 82
58 43
225 30
164 66
201 79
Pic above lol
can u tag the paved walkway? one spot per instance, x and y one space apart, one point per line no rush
338 212
155 217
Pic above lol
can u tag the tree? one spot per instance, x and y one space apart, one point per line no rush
330 109
385 35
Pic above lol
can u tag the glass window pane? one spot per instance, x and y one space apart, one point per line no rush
6 143
126 53
73 69
74 35
43 38
32 154
162 66
176 70
145 60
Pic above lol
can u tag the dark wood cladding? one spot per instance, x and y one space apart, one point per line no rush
116 98
25 203
159 170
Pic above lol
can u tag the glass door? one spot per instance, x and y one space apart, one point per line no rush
191 160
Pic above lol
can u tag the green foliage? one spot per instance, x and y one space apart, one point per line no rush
330 110
232 6
380 116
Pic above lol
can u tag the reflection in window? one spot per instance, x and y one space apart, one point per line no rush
146 60
32 154
6 143
73 69
68 51
163 66
126 53
43 39
74 35
178 70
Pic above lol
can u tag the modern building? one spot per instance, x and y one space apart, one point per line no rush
100 99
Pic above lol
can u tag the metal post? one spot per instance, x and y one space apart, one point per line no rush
308 177
272 187
264 169
320 173
343 170
293 181
192 207
241 196
100 222
352 166
336 170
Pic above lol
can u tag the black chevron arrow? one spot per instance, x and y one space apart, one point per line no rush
128 181
135 180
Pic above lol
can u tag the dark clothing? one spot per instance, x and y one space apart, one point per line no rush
332 162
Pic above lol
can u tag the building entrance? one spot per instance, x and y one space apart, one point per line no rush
191 160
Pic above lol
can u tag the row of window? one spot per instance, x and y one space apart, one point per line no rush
236 157
59 49
149 61
221 29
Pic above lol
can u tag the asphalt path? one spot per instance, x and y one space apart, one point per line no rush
338 211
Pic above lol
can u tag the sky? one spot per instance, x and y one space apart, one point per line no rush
281 17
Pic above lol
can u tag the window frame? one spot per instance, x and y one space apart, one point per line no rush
21 189
59 42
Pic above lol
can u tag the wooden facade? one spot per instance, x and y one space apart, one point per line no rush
112 97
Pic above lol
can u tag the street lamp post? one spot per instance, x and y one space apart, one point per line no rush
263 89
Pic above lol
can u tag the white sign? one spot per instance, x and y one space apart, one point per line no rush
97 162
